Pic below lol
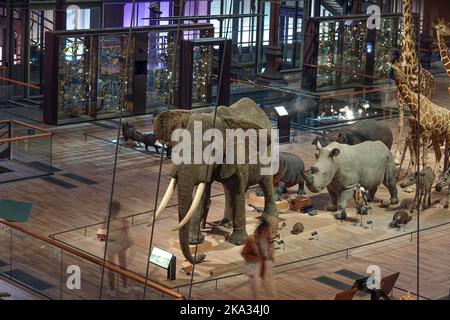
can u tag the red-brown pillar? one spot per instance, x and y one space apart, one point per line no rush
274 57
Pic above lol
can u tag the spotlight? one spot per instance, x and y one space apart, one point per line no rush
314 234
370 222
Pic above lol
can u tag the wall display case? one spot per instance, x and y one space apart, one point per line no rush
90 77
342 53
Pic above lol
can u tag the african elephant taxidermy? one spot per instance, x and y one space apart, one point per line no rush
243 117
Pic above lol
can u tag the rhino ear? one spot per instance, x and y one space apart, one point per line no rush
342 138
335 152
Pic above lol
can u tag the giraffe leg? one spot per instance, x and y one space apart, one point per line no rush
412 151
411 140
426 135
397 155
437 153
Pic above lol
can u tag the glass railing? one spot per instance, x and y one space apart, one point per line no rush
25 151
57 271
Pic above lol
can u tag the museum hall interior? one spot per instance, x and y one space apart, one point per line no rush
224 150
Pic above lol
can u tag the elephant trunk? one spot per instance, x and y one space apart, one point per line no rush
184 206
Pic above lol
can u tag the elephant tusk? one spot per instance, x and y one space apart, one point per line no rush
165 200
194 205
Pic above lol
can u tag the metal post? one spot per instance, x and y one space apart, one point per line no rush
11 255
9 142
61 293
26 51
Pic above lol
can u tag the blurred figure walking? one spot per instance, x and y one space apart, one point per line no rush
258 253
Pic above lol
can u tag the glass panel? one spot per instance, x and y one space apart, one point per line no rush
113 79
31 152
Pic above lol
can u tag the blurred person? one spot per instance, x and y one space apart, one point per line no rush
119 252
258 253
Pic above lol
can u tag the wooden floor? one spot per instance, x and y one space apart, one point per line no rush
18 171
88 150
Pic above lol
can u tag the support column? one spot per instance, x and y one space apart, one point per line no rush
9 48
60 15
274 58
356 6
26 51
426 38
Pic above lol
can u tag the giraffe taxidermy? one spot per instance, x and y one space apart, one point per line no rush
433 123
410 66
443 30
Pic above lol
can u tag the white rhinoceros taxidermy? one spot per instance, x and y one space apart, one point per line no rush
340 167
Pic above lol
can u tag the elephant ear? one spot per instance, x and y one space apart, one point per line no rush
233 123
168 121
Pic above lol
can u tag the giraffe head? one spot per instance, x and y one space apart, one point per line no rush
442 27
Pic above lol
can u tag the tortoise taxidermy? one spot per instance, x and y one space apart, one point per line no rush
400 218
297 228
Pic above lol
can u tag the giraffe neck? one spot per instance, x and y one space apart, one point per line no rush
410 98
408 55
445 56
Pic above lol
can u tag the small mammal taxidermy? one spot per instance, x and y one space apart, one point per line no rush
148 140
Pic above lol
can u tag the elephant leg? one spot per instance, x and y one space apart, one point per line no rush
239 233
227 220
343 199
270 207
332 201
279 190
